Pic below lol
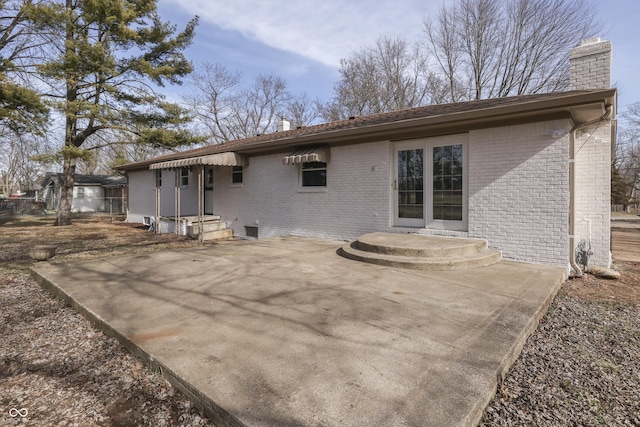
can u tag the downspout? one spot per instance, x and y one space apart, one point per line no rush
572 184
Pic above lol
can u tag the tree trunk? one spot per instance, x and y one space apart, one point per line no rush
66 191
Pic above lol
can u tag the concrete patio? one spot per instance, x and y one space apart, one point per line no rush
286 332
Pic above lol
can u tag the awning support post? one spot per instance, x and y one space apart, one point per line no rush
156 226
200 177
177 202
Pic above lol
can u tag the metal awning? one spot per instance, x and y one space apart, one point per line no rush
221 159
306 154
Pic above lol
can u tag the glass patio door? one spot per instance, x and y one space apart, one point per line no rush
430 183
409 186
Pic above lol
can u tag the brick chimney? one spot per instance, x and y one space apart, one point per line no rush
590 65
283 125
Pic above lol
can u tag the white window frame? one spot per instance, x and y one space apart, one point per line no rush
208 177
184 177
302 170
79 192
427 144
237 172
439 141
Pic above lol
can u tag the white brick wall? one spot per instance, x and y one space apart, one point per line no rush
142 196
356 200
591 69
593 190
590 65
518 191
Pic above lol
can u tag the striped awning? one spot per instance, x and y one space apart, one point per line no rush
220 159
306 154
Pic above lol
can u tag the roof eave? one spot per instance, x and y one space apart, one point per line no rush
578 107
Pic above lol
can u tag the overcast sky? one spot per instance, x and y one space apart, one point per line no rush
302 41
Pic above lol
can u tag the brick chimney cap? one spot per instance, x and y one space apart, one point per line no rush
592 40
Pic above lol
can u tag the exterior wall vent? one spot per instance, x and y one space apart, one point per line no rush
251 231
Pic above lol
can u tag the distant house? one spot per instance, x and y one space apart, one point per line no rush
530 174
91 193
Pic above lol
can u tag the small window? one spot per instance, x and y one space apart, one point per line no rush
158 178
184 177
236 175
80 193
314 174
209 178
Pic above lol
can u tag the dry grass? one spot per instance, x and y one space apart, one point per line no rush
93 236
52 361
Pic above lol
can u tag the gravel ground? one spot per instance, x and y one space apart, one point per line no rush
53 362
66 373
581 366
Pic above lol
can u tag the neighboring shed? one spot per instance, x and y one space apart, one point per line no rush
530 174
91 193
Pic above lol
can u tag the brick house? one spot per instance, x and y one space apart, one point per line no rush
530 174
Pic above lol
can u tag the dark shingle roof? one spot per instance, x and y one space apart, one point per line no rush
80 179
372 121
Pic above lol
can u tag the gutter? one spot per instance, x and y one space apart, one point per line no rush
375 127
572 178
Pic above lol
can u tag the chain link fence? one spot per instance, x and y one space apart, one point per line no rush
30 206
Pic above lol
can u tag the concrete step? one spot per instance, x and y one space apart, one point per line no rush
420 252
216 235
207 217
416 245
206 227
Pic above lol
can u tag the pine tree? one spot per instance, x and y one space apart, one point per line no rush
106 56
21 109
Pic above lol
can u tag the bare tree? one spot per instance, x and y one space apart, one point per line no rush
495 48
391 75
301 111
19 164
226 110
625 167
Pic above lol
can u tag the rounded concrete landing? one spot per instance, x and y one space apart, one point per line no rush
420 252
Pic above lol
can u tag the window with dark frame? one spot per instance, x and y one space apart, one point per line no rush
209 178
447 183
80 193
158 178
184 177
314 174
236 175
410 183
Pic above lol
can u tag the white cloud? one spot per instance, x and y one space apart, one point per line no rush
323 30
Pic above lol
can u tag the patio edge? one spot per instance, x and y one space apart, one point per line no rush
212 410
